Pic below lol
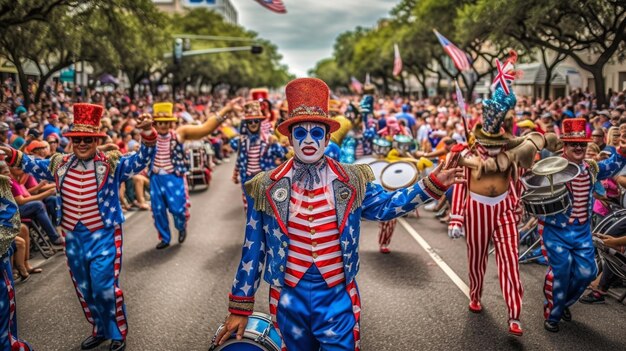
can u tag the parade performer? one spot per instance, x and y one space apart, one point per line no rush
358 142
333 150
167 171
88 181
9 229
303 224
254 154
485 208
262 95
566 237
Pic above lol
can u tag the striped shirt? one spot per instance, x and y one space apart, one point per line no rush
163 157
313 236
254 159
80 200
580 188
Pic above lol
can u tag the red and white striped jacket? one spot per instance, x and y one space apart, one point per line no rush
580 188
80 200
163 157
313 236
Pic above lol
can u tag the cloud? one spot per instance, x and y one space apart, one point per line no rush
306 34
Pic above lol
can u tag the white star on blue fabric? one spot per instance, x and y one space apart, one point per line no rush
248 244
252 222
245 288
247 266
4 207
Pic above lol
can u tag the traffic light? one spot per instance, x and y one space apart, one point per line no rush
256 49
178 51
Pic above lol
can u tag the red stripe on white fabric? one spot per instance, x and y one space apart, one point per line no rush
163 157
313 237
274 297
254 160
80 200
580 188
356 310
120 316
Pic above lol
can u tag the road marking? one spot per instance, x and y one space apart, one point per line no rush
438 260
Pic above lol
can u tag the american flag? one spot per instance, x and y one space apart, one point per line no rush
274 5
460 59
356 85
397 61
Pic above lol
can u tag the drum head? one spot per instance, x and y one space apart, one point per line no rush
365 160
398 175
377 167
241 345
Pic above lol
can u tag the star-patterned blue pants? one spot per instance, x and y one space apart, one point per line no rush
314 317
8 315
95 261
167 191
572 266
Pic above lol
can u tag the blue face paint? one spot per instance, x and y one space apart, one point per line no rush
301 133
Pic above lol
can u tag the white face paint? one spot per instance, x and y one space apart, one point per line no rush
309 141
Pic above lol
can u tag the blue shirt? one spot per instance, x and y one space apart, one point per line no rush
408 118
49 129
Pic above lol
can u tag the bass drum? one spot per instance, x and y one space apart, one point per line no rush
613 225
260 335
398 175
365 160
377 167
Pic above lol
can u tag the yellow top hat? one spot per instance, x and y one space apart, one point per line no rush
162 112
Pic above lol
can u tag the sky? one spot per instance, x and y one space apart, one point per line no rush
307 32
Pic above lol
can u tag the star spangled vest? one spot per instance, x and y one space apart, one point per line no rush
313 236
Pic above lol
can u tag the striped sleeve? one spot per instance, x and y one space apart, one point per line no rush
459 196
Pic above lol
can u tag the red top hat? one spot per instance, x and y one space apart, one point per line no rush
308 102
86 121
574 130
259 94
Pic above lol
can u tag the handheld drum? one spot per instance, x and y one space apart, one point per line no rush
398 175
377 167
260 335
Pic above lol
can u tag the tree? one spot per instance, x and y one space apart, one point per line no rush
329 71
591 32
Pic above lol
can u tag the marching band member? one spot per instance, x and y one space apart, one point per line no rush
254 153
9 229
566 237
333 150
167 171
358 142
88 181
303 224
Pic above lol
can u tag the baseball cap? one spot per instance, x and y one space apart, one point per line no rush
4 127
34 132
19 126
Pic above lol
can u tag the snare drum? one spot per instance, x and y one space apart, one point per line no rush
544 202
398 175
365 160
260 335
377 167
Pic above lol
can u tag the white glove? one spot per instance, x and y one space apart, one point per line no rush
455 231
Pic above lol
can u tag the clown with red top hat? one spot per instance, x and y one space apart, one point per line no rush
303 225
567 241
88 182
254 153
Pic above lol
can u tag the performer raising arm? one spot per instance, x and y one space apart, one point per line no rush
303 224
91 216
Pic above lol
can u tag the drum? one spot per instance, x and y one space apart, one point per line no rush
544 202
613 225
260 335
398 175
381 146
377 167
541 180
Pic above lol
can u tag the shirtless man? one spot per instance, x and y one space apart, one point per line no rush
484 209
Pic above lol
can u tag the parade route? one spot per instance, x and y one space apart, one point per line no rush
176 298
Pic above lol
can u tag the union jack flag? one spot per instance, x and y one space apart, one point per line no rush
273 5
458 56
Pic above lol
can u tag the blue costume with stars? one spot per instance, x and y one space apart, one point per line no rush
168 190
312 316
569 247
95 257
269 153
9 228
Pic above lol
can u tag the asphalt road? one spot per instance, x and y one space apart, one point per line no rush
177 298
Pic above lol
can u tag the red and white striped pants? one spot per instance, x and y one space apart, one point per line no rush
385 232
494 219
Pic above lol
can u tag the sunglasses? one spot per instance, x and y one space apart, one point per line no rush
86 140
253 121
162 123
575 145
52 142
597 136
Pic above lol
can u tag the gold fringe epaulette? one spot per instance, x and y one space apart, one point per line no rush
55 161
256 189
358 176
113 158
